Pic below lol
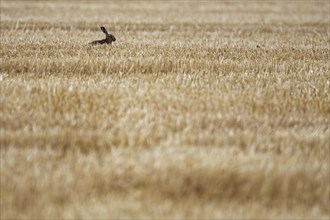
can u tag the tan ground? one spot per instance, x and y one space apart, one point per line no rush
198 110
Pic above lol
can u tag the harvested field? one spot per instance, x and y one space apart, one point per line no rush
199 109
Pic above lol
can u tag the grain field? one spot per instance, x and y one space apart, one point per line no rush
199 109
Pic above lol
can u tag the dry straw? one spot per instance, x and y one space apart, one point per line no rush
197 110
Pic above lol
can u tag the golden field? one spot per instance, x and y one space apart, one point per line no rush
210 109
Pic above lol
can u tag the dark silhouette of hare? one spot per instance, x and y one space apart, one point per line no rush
109 38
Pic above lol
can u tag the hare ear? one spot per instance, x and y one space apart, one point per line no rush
104 30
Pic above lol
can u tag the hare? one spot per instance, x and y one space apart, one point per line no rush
109 38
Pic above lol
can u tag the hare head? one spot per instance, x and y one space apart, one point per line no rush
109 38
